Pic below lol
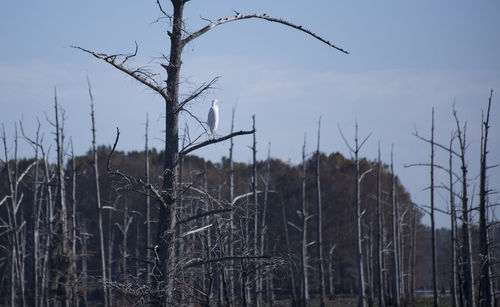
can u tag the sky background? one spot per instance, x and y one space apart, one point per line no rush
405 58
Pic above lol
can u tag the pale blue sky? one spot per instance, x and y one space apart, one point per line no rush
406 56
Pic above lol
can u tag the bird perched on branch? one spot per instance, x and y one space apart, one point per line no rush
213 116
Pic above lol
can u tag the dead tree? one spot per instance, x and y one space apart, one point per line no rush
319 225
357 212
179 38
148 204
35 259
15 225
289 254
453 223
74 268
395 251
486 291
433 222
380 235
60 259
232 224
258 293
467 268
98 201
264 237
305 217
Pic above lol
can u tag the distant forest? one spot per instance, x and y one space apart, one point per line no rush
130 262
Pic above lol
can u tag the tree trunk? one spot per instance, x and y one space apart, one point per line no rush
433 223
486 294
357 209
380 235
468 274
98 202
305 216
395 252
322 293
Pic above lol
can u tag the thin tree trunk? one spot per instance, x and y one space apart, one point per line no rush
59 253
74 268
263 226
433 223
148 204
453 223
468 274
305 216
232 275
258 293
289 253
380 235
98 202
486 294
322 293
395 256
359 251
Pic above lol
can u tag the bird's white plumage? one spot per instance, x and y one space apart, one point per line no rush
213 116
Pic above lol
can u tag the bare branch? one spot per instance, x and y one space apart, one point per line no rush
137 74
186 151
197 92
239 16
191 218
222 259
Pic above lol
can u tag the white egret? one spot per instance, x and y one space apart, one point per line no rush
213 116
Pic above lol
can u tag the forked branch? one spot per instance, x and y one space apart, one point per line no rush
138 74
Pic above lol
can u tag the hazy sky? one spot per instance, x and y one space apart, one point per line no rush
406 57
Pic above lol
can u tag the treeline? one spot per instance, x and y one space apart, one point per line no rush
83 230
28 234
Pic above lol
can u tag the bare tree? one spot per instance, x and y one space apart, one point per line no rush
433 222
305 217
148 203
98 200
467 268
395 243
319 225
453 224
60 258
179 38
380 235
486 293
357 209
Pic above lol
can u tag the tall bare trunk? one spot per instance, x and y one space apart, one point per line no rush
357 208
486 294
453 223
433 223
380 235
319 225
148 204
395 252
305 217
468 274
98 203
289 254
263 237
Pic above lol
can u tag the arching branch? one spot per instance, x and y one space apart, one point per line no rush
239 16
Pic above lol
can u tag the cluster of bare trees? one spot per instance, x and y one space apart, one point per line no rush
467 287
